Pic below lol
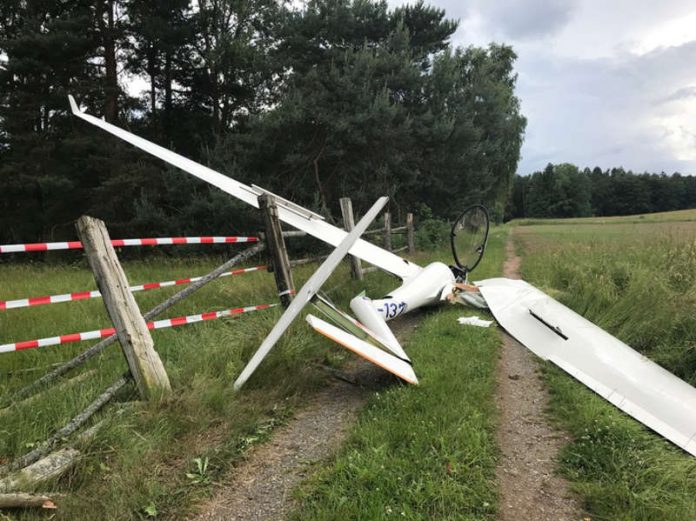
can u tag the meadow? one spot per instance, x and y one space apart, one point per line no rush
142 462
136 466
670 217
425 452
636 278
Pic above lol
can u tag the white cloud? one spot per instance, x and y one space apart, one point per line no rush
669 33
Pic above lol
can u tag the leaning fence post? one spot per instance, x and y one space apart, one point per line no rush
410 234
387 231
277 249
144 362
348 223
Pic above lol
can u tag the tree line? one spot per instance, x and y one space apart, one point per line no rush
333 98
564 190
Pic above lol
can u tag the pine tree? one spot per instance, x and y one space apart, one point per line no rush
161 49
47 48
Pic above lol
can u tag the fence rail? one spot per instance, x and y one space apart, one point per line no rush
118 243
107 332
84 295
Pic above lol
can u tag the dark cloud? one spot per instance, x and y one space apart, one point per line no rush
527 19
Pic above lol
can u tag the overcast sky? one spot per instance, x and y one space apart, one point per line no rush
601 83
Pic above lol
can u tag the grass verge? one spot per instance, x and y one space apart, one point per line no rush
639 284
424 452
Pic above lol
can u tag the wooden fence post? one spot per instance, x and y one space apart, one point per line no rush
410 234
387 231
348 223
277 249
144 362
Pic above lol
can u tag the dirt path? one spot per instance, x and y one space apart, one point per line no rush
261 487
529 487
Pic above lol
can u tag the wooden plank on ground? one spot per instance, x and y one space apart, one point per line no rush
48 468
23 500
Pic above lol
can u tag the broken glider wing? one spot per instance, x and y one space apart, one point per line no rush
385 360
633 383
288 212
310 288
354 327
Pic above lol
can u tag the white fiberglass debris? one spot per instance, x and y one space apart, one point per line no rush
474 321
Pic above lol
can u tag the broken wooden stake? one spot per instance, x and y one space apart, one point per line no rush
349 223
136 342
338 374
277 249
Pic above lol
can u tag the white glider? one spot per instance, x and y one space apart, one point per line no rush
636 385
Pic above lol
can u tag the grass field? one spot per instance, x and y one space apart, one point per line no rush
676 216
638 281
137 465
425 452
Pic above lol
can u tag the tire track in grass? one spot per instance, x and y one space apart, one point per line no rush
530 488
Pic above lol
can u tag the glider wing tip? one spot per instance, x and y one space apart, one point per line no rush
73 105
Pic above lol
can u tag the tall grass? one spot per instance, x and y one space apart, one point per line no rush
428 451
639 283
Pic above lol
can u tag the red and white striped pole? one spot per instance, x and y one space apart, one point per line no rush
103 333
117 243
82 295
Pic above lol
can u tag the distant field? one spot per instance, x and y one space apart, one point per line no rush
679 215
639 283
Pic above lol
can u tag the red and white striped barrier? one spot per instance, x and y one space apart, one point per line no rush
82 295
103 333
116 243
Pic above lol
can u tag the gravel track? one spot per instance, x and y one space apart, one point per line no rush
529 485
262 486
